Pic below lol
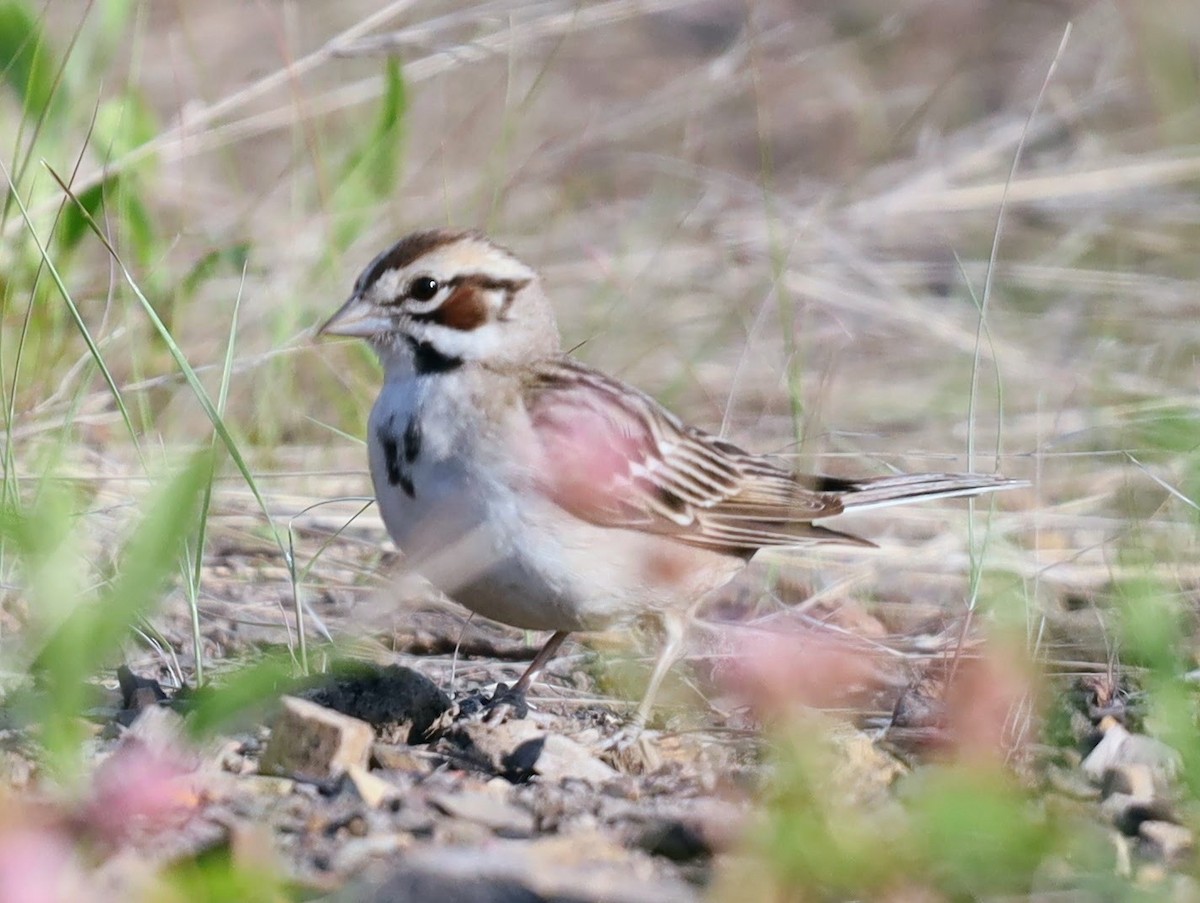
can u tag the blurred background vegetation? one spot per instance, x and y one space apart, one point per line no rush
794 221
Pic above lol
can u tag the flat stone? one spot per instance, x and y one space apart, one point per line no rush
372 789
1166 841
1069 782
519 750
1152 875
579 870
557 758
487 809
267 785
1119 747
401 757
415 817
1136 780
1162 759
862 773
354 855
1127 813
1106 753
491 747
315 742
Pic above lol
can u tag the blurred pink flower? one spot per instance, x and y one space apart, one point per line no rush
973 705
140 787
780 672
38 865
984 695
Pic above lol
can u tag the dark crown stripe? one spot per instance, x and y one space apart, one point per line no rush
404 252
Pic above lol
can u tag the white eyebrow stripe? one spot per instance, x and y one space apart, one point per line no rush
427 307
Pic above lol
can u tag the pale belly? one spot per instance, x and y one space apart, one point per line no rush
462 530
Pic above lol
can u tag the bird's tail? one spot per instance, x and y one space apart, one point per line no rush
879 492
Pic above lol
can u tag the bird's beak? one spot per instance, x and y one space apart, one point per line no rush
356 317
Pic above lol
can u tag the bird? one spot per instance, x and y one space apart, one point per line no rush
545 494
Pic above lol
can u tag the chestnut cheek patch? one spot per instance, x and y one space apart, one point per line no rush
466 309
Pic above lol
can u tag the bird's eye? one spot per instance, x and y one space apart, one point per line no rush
423 288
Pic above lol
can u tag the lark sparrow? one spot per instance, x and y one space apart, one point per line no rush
542 493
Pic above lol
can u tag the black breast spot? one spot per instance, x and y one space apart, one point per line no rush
412 439
397 474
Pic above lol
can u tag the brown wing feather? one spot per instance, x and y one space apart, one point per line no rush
617 458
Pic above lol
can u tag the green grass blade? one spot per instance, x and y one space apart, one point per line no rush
94 630
189 374
197 562
92 346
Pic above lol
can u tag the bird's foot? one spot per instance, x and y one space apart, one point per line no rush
504 703
633 749
627 735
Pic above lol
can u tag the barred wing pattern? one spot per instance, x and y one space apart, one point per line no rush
615 457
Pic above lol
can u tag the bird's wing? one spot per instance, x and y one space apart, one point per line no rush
615 457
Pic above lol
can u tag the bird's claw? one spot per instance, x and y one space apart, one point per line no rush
504 703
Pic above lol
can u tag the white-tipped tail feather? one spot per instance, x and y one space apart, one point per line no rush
880 492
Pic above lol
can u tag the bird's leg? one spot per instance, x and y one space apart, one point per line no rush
672 650
538 665
508 699
631 742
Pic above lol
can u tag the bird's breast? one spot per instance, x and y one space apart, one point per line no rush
459 496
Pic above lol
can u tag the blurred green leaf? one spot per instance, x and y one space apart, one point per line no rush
371 172
813 834
1172 717
981 833
26 63
1189 487
1168 430
123 124
130 213
214 877
249 687
1152 628
378 160
381 156
40 538
94 630
73 225
136 221
115 16
232 258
